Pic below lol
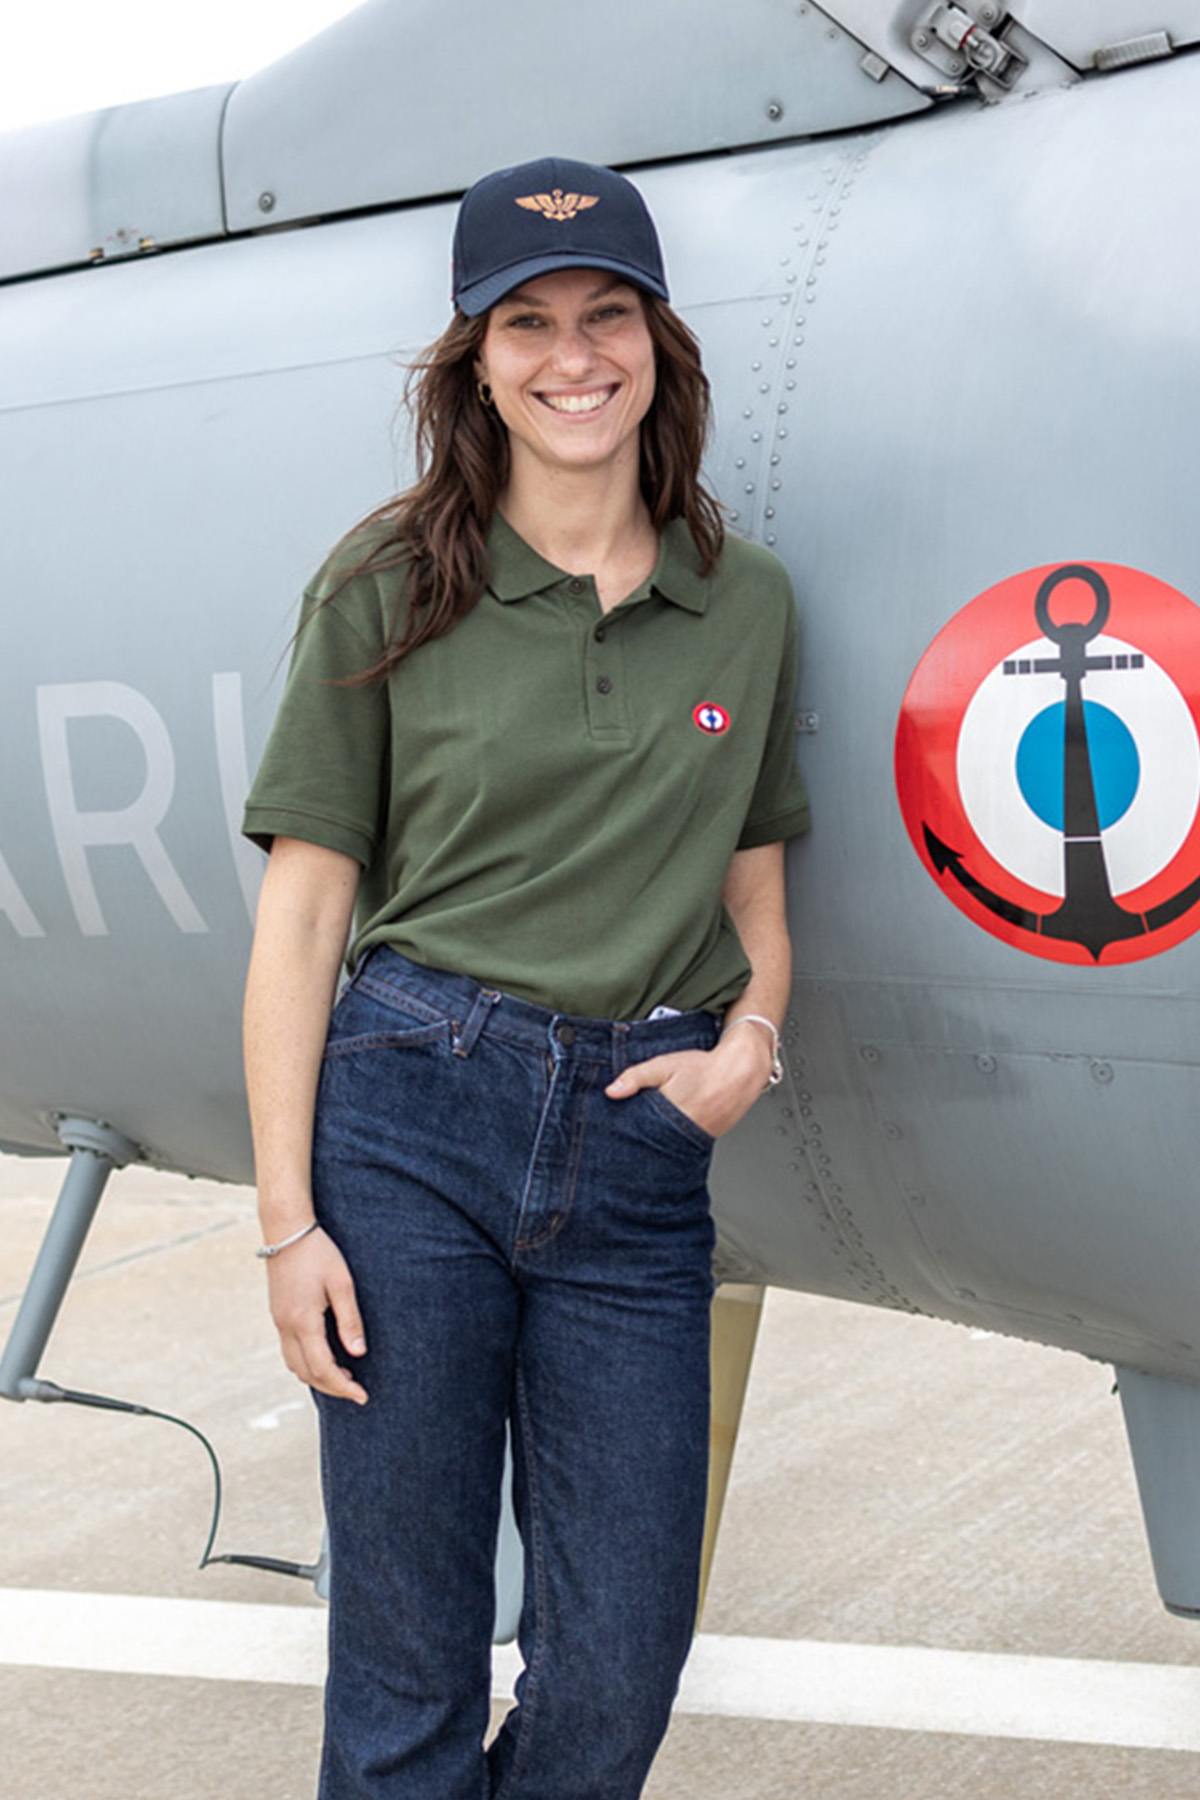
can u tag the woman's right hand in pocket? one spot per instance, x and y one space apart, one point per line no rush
303 1280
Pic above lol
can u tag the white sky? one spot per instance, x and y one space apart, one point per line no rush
69 56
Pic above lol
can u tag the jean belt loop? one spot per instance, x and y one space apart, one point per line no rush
481 1006
620 1044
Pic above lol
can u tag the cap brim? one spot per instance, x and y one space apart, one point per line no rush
477 298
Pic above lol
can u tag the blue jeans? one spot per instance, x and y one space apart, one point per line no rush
521 1244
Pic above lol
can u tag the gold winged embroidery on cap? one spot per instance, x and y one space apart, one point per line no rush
556 204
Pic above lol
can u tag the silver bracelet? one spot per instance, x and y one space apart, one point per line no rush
274 1249
776 1074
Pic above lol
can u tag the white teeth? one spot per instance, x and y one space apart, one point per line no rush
576 403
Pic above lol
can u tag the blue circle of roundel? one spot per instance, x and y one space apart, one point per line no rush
1116 767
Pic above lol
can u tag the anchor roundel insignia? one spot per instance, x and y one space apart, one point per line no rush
710 717
1048 762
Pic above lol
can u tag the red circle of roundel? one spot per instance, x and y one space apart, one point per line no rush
710 717
1047 762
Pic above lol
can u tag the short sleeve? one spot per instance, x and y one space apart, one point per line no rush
322 773
779 804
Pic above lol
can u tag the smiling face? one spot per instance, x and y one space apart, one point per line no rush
570 362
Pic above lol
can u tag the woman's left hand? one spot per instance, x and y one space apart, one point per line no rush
715 1088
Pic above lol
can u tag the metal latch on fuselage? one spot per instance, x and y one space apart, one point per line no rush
958 42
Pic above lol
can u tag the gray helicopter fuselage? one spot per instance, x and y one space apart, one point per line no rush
945 348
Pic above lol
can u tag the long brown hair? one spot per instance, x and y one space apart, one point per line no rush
439 526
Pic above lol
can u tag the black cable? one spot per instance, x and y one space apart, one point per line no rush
50 1390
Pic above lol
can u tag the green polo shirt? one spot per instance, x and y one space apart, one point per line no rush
547 797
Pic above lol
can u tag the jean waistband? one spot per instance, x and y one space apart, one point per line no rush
475 1006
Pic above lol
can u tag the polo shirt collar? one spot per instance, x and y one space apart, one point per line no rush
517 570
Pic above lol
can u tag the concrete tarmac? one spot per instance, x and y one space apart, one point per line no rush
932 1577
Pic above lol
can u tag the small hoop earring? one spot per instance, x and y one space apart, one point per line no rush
485 393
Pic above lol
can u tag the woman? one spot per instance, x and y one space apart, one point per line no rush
541 708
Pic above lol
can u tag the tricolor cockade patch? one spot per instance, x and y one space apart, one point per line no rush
1048 762
710 718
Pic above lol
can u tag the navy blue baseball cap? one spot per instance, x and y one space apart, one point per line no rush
550 214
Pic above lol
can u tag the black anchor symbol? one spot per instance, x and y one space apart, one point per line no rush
1088 914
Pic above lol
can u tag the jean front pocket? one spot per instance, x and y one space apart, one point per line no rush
378 1016
676 1116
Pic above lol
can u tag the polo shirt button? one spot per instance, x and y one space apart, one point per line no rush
575 585
566 1034
603 684
598 634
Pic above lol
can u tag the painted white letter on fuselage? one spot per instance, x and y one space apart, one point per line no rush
135 824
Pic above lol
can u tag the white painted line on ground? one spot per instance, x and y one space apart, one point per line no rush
1151 1706
153 1634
